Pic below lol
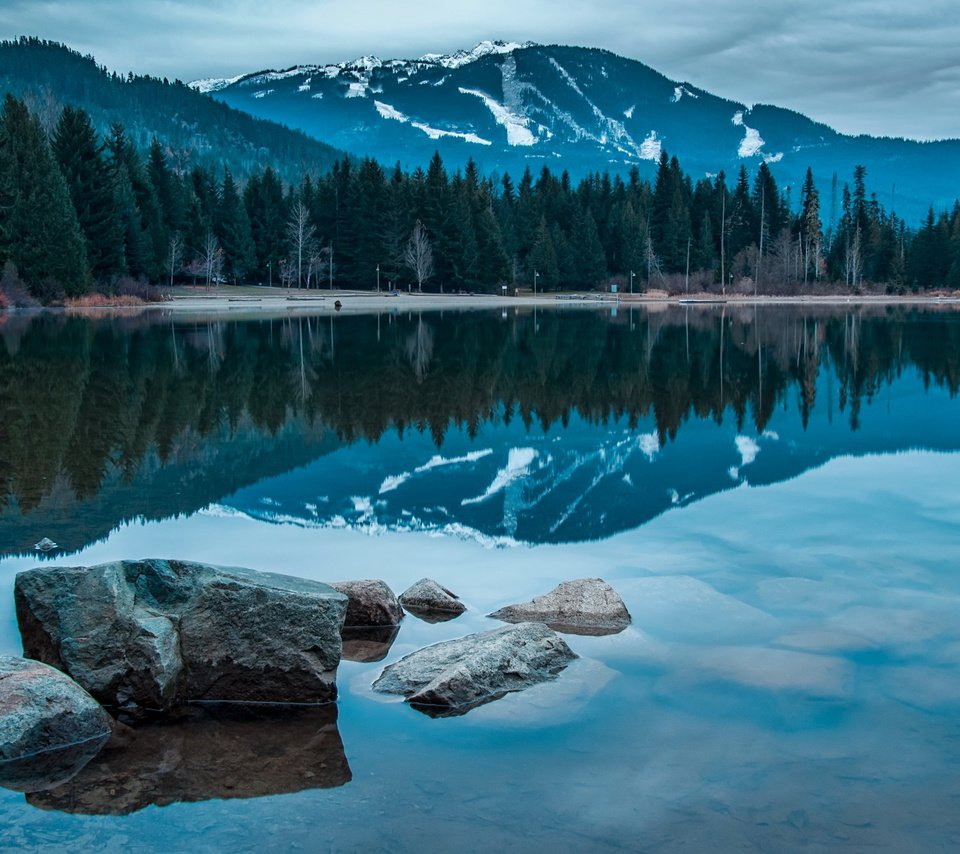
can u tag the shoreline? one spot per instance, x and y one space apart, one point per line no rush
362 302
237 300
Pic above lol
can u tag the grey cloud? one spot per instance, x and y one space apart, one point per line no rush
870 66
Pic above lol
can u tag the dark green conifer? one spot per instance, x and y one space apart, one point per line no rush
38 224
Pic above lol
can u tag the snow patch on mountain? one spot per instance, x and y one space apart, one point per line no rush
274 76
651 147
680 91
388 112
609 128
568 78
263 93
436 133
305 86
517 126
465 57
752 142
357 89
628 113
215 84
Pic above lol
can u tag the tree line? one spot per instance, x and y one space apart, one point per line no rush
80 212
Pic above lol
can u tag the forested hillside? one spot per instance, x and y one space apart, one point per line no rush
193 129
78 211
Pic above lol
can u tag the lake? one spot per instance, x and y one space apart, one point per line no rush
775 492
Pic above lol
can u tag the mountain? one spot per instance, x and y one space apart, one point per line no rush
509 106
196 129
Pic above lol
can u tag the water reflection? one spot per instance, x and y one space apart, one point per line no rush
215 751
106 421
49 768
367 643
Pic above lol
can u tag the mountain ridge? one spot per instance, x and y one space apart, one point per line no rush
52 75
509 105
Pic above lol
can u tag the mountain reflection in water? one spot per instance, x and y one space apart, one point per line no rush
546 426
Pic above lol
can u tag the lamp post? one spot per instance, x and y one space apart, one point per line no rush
632 274
270 272
536 276
378 278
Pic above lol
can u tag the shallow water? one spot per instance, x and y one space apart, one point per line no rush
781 523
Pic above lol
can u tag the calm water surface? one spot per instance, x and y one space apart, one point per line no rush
774 492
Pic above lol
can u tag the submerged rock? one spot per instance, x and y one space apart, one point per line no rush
155 634
49 726
586 606
453 677
212 751
370 603
431 602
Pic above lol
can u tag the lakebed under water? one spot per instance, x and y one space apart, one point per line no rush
774 493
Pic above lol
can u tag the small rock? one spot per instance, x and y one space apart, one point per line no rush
431 602
49 726
45 545
587 606
369 603
453 677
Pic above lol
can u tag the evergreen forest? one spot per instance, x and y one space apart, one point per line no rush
80 211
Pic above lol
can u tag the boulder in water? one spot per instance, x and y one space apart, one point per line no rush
453 677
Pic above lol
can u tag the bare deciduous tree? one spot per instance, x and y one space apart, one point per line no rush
174 255
419 255
315 263
211 258
301 235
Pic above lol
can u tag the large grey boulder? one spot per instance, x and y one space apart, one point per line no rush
370 603
453 677
220 751
586 606
49 726
431 602
154 634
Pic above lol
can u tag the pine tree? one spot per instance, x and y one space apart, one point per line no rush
743 225
542 263
145 238
232 228
266 209
84 168
166 188
41 234
591 265
811 228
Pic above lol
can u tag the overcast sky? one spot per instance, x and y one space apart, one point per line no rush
863 66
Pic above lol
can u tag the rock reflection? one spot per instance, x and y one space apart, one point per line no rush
588 631
367 643
213 751
49 768
431 615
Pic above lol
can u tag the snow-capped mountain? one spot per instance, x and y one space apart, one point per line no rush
511 105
